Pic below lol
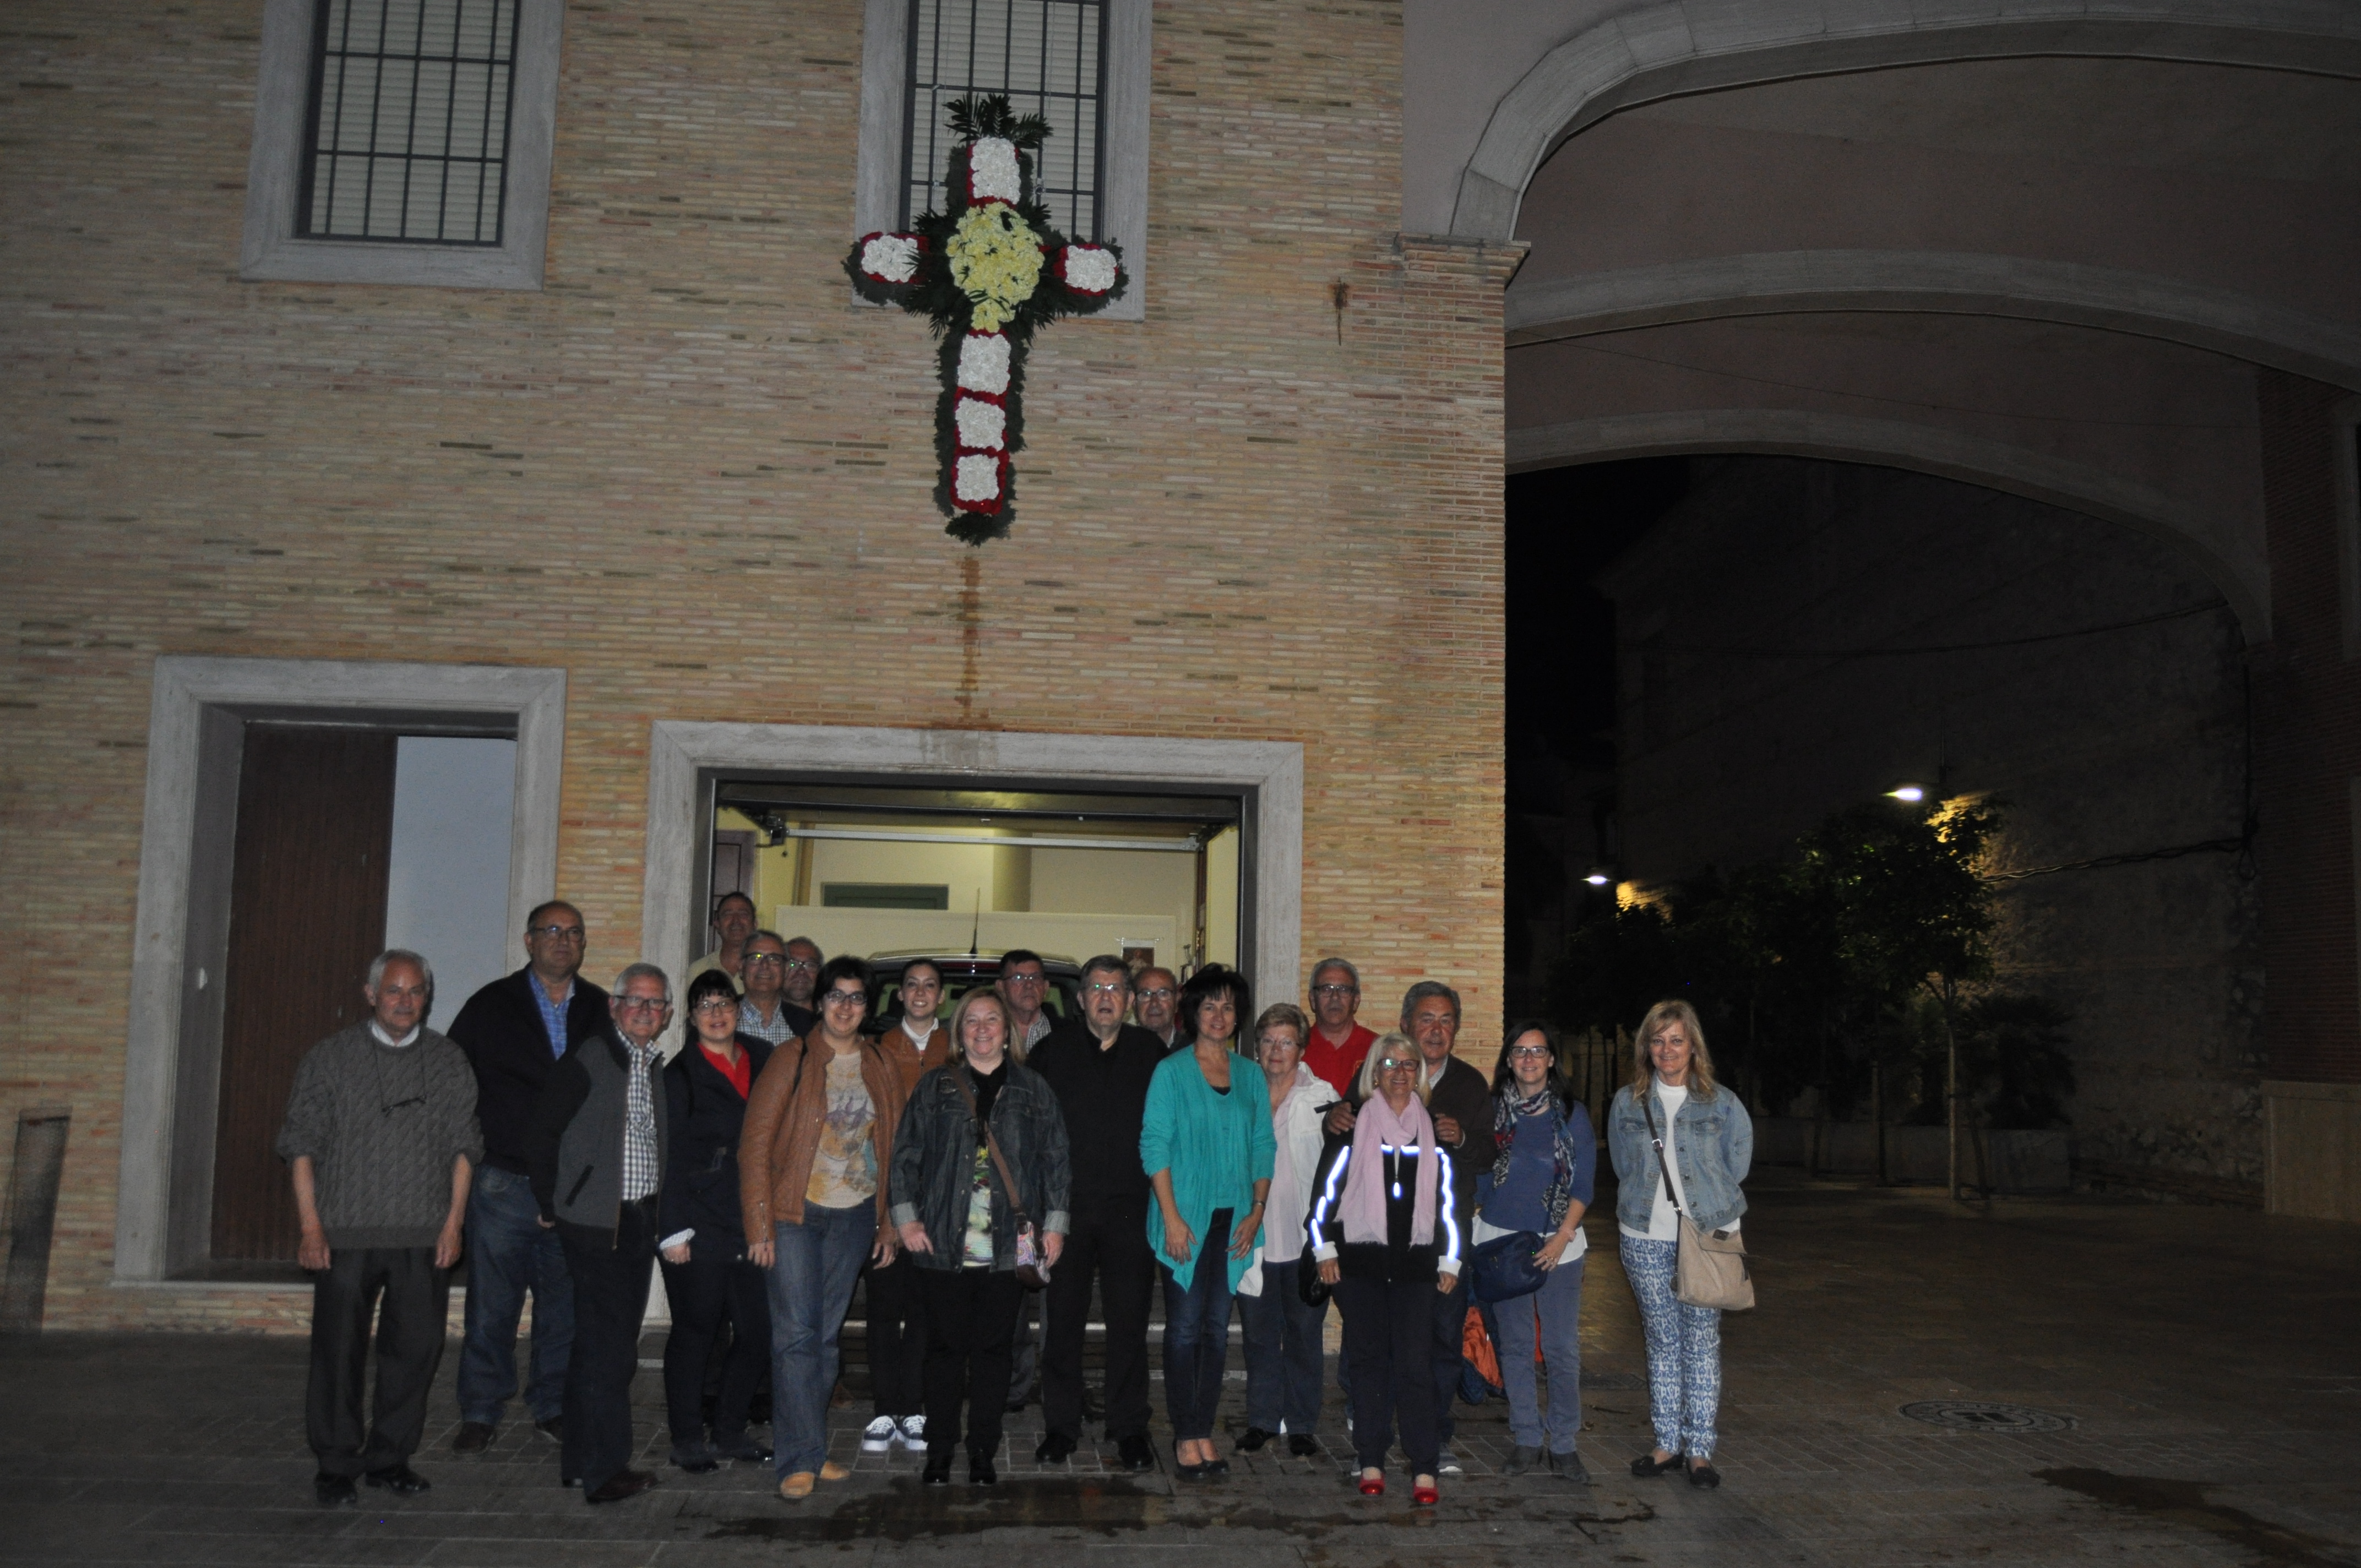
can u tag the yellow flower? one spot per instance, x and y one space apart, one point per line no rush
995 260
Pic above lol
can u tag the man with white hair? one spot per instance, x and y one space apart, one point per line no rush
380 1140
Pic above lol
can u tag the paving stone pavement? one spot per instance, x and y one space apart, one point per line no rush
2208 1361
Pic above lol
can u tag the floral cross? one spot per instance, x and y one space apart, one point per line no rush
987 271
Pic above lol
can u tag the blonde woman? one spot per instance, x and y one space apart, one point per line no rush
1283 1330
1709 1145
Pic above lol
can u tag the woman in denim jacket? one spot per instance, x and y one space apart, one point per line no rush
1708 1146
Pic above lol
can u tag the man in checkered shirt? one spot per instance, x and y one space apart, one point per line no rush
595 1153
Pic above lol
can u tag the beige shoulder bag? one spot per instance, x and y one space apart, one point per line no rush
1712 1268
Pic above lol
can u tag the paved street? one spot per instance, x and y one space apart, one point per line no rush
2203 1362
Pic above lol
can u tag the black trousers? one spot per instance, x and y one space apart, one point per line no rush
1389 1339
409 1297
971 1316
714 1286
897 1339
610 1272
1112 1246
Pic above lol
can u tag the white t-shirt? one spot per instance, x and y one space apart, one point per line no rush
1664 1219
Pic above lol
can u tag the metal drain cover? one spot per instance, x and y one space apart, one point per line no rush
1975 1415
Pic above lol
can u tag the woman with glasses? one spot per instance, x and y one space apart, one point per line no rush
958 1220
1283 1330
1207 1146
1709 1145
1545 1157
818 1138
1383 1235
707 1274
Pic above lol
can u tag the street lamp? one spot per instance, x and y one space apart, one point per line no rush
1910 794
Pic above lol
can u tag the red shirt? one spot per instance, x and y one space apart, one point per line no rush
1338 1066
740 1074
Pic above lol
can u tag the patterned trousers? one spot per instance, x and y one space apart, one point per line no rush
1683 1352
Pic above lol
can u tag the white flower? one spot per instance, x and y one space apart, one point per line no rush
981 424
978 477
983 363
992 174
892 257
1090 268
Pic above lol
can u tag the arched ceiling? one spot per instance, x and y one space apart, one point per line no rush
1917 238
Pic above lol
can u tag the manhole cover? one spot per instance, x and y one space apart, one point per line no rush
1975 1415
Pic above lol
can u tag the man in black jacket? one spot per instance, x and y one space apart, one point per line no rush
1099 1068
596 1149
512 1031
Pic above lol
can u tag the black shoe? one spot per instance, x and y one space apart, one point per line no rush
1703 1474
1568 1467
1521 1459
1252 1439
622 1483
1215 1468
937 1472
554 1429
1014 1406
335 1491
400 1480
1302 1444
474 1437
699 1460
1136 1454
745 1450
980 1472
1054 1449
1646 1466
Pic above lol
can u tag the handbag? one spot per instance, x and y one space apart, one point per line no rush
1310 1289
1503 1268
1711 1270
1032 1268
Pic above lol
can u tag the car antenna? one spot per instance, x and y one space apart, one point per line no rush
976 934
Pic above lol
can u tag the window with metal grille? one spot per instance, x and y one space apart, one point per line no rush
1049 57
409 122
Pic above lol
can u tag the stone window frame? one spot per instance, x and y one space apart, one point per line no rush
273 252
1130 38
198 708
686 757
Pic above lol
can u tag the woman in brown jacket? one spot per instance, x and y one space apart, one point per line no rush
818 1139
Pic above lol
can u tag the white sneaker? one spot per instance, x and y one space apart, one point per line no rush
878 1438
1448 1465
914 1434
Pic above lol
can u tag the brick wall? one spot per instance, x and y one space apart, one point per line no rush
694 475
2309 702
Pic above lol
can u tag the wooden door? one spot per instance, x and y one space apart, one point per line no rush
307 913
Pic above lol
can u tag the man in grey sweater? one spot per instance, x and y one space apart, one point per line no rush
381 1140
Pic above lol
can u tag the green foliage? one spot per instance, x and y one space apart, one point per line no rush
1814 970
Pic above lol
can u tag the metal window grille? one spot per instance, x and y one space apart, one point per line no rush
408 124
1049 57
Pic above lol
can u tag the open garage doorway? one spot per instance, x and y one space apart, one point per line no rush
890 871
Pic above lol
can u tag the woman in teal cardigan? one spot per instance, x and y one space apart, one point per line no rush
1208 1151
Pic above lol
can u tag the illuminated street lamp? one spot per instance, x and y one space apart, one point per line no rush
1599 877
1910 792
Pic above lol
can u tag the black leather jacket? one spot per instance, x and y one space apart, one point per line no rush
934 1163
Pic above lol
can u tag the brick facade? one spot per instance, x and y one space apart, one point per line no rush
694 473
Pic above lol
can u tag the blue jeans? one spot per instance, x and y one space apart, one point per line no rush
1284 1355
1557 1306
1197 1333
812 1285
507 1255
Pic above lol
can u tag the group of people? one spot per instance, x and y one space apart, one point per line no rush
967 1163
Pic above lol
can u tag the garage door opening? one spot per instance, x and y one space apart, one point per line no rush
886 871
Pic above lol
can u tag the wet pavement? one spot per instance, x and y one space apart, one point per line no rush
2179 1386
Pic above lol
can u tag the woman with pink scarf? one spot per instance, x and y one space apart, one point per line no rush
1382 1232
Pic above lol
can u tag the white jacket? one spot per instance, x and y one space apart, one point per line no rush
1298 1124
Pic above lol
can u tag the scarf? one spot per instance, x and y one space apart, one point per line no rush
1365 1181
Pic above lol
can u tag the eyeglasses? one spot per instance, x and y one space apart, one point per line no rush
1335 991
1025 980
1395 1064
753 959
555 933
1105 988
716 1004
846 999
803 963
1157 994
1530 1053
644 1003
